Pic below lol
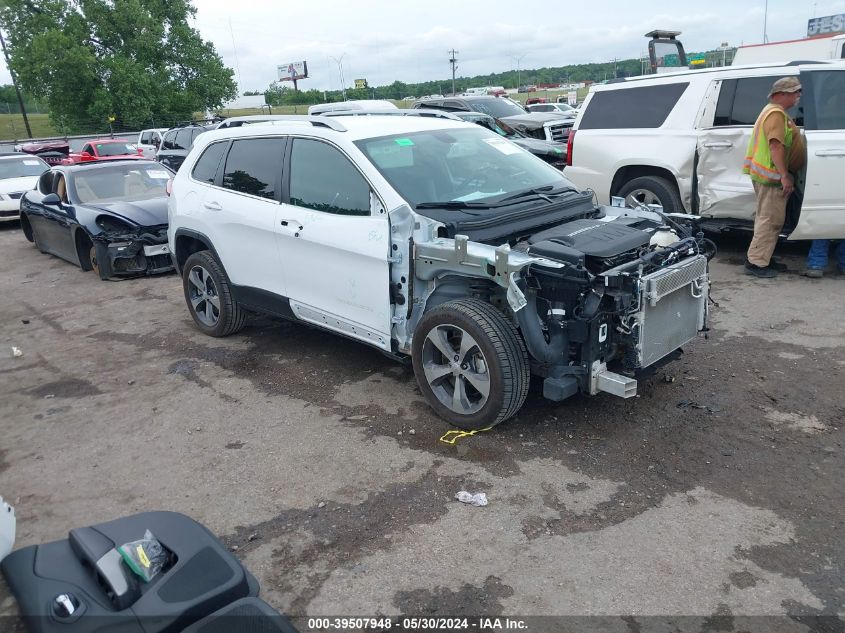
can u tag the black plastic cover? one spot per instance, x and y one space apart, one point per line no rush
39 573
594 238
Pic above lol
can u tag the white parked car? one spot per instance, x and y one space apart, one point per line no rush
679 140
18 174
149 141
368 105
440 243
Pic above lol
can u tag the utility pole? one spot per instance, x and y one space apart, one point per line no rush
454 61
765 22
15 84
339 62
518 59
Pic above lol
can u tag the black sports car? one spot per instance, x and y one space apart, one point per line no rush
109 217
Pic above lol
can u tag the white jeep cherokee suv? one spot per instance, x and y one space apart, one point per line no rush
679 140
439 242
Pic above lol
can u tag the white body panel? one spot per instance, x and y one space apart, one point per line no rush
337 270
723 191
7 528
793 50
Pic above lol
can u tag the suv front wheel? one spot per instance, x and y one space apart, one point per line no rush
209 297
652 190
471 364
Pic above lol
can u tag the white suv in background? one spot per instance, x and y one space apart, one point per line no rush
440 243
679 140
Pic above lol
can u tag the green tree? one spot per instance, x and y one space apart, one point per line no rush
136 60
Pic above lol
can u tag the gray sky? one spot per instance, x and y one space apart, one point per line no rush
383 41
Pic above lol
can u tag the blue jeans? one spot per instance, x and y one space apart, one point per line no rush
817 257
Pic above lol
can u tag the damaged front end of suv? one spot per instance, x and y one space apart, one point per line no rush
599 296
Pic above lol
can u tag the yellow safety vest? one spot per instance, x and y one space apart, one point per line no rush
758 158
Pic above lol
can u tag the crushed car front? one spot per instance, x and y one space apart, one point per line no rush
123 208
600 294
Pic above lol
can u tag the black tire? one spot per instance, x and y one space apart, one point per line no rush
26 227
499 347
654 190
230 317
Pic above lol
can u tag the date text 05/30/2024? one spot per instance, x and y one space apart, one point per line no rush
416 624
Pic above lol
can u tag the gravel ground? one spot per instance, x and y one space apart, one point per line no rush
715 494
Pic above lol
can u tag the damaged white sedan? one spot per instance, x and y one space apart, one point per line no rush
442 244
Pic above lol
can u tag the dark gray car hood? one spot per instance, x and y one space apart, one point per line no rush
151 212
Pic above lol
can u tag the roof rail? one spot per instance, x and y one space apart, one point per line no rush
423 112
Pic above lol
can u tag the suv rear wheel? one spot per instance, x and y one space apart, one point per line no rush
209 296
471 364
652 190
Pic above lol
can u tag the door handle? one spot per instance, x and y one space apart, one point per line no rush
831 152
719 144
213 206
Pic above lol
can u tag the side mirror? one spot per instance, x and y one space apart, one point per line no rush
85 155
52 199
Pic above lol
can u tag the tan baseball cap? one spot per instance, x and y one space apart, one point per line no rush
785 84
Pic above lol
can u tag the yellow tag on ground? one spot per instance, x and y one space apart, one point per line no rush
142 556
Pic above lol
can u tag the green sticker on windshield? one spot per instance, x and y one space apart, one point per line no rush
404 142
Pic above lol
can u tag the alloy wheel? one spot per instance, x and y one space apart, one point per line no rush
455 369
204 297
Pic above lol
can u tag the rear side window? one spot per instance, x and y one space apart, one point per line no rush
824 96
741 100
254 166
206 168
643 107
323 179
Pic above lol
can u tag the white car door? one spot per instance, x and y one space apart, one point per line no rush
734 104
333 243
240 213
823 208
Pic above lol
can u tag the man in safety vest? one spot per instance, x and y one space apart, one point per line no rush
775 153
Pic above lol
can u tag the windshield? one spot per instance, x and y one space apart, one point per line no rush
496 108
121 182
22 167
115 149
458 165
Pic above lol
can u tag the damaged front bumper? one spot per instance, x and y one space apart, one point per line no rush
125 254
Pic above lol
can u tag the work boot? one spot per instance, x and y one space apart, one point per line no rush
778 266
814 273
763 272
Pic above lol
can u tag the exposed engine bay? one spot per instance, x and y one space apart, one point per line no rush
609 292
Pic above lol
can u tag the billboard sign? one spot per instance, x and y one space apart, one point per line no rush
827 25
292 71
361 83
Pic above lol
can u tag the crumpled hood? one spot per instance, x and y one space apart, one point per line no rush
151 212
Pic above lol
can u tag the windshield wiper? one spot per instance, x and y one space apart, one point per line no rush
454 204
540 192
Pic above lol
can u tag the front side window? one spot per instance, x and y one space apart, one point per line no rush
640 107
206 168
146 138
824 93
323 179
253 166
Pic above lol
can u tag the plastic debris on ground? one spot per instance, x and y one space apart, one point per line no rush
16 352
477 499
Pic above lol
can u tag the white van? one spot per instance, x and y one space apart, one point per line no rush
680 139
